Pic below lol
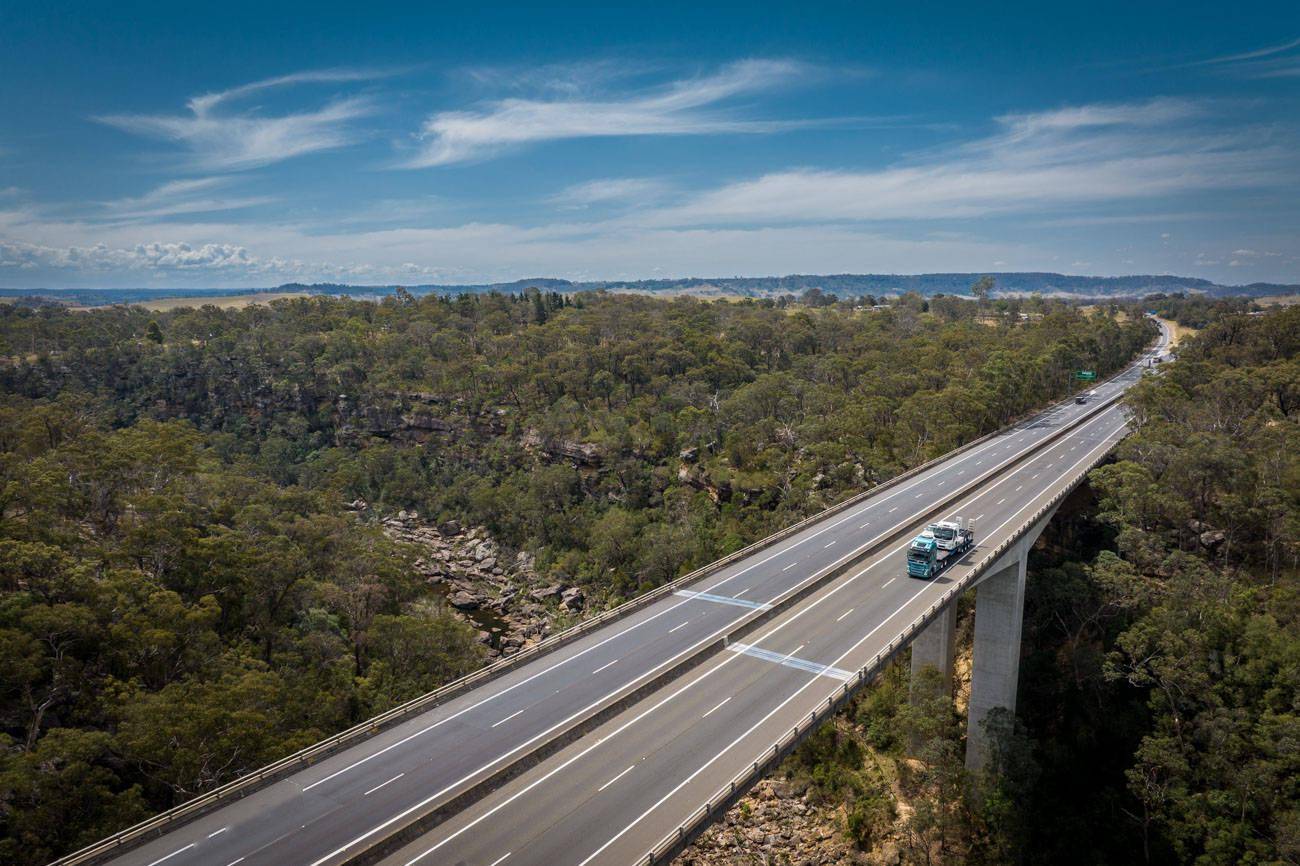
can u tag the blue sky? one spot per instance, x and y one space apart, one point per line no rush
256 144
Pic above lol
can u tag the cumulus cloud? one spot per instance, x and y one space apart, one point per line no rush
685 107
203 264
148 256
220 138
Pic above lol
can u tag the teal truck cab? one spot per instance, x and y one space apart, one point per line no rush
941 544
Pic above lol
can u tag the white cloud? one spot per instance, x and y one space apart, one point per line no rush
1085 155
1273 61
685 107
611 190
220 139
1267 51
488 251
190 196
148 256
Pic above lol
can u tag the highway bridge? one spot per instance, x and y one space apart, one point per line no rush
624 738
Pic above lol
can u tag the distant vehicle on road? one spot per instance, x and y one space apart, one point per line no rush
939 546
1085 396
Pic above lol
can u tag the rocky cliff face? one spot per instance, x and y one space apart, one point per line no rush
498 592
775 823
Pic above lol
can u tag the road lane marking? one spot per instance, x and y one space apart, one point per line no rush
1018 489
683 625
846 613
602 667
173 854
789 660
718 707
864 526
500 860
616 778
509 717
218 832
722 599
382 784
832 544
790 566
888 582
741 738
892 510
980 517
742 592
233 862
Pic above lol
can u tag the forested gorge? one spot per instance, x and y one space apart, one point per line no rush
1159 698
185 595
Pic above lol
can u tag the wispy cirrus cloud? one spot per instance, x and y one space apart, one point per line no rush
611 190
1267 51
685 107
1272 61
1092 154
190 196
221 137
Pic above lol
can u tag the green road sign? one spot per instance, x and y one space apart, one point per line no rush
1086 375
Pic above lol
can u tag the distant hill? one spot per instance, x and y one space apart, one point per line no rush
1007 284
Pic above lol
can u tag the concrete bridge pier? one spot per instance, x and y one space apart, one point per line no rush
936 647
995 663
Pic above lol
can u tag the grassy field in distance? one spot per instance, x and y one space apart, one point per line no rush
227 302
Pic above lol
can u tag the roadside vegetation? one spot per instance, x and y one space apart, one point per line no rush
1159 703
184 595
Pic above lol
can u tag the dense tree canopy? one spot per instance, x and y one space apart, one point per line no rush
183 596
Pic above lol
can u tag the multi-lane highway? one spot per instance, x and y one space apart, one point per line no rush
614 791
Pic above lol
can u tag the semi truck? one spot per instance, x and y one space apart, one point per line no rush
940 545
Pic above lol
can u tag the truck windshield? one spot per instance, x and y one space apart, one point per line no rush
944 532
918 555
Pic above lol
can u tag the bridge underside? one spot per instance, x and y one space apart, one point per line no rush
995 667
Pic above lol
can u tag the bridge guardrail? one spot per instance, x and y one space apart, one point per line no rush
725 796
251 782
